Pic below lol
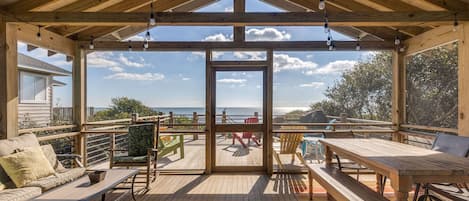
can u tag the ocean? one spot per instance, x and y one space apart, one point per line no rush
244 111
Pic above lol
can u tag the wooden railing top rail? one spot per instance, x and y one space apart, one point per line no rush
336 131
429 128
334 124
49 128
57 136
358 120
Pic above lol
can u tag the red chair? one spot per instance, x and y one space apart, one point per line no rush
247 135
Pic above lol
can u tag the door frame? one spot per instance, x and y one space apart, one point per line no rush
266 67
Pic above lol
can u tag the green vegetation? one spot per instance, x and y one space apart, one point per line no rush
123 107
364 92
432 89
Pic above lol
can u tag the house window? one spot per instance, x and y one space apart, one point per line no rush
33 88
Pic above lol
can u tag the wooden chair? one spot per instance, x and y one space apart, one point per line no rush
247 135
142 151
454 145
288 144
174 143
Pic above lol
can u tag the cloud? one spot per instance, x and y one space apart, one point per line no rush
250 55
126 61
313 84
284 62
232 81
335 67
218 38
101 60
116 69
229 9
136 76
267 34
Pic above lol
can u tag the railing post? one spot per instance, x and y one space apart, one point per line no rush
134 118
223 117
171 120
195 120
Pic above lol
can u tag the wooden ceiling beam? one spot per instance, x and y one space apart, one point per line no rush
160 6
125 6
276 45
452 5
243 19
24 5
88 5
49 40
348 31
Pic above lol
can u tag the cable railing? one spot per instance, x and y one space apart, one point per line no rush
100 136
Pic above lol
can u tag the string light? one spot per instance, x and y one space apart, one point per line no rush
91 43
455 24
38 35
358 47
329 40
322 4
397 40
145 45
326 23
130 46
152 15
147 38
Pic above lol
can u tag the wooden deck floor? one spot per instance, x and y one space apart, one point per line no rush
237 187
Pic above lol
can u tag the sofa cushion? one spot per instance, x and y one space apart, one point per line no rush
9 146
26 166
52 158
57 179
19 194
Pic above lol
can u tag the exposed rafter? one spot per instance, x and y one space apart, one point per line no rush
276 45
372 19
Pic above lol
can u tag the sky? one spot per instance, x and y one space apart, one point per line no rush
177 79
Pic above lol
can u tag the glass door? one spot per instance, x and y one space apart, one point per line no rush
238 110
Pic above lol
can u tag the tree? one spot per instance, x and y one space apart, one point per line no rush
431 84
123 107
364 92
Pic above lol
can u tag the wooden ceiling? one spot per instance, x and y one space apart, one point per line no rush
117 33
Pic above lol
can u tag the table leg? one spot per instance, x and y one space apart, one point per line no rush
328 154
401 185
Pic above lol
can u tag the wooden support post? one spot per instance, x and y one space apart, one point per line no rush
398 93
223 117
195 120
268 119
239 31
79 99
8 80
463 77
171 120
209 114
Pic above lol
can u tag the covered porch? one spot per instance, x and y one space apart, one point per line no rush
212 161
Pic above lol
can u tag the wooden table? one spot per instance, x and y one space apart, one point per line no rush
403 164
81 190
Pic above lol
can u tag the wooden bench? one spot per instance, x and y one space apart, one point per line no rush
339 185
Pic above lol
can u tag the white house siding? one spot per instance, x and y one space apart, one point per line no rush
39 113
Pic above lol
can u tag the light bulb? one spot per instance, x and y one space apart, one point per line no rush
91 46
331 47
148 36
358 47
455 25
326 28
322 4
130 46
38 36
329 41
145 45
397 41
152 19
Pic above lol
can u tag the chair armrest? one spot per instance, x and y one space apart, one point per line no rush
74 157
68 156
